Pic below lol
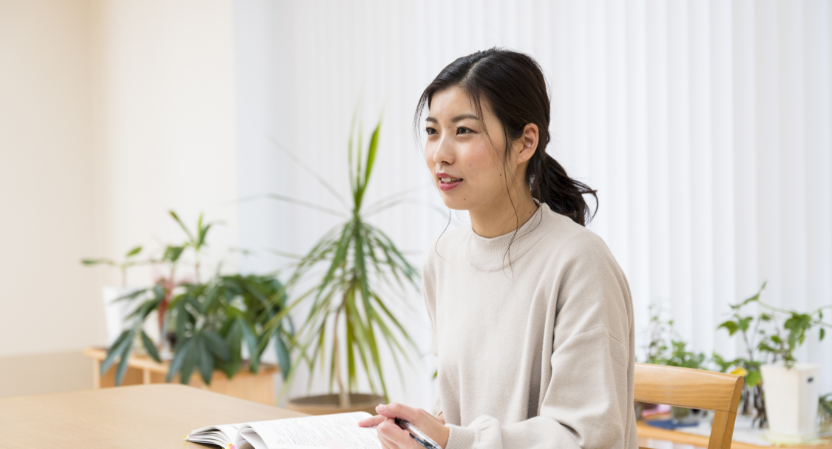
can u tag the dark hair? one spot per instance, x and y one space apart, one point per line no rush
514 86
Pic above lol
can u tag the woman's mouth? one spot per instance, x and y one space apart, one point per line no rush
447 183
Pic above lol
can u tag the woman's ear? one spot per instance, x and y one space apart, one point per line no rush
529 141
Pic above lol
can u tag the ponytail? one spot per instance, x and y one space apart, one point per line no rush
551 185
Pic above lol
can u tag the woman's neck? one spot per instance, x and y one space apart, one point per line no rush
499 218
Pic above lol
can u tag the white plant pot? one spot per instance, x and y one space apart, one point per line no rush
791 401
115 313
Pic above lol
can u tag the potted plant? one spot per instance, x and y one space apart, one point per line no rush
208 322
790 389
363 270
674 354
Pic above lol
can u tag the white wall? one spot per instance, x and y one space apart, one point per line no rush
46 177
111 113
164 125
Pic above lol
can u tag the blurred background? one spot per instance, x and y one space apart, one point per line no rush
706 127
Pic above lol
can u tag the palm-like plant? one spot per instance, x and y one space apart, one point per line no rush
364 268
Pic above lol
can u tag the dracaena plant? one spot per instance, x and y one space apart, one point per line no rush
209 322
362 272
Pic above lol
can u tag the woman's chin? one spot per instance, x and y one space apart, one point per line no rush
455 204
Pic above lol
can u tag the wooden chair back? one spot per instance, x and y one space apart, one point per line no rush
693 388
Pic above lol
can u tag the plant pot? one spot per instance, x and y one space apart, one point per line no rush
115 313
791 397
328 404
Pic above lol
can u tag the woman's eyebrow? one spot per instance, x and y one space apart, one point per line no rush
455 119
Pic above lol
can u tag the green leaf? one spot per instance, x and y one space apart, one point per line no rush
150 347
744 322
125 359
371 157
172 253
133 252
98 262
753 378
216 345
180 352
182 225
730 326
821 334
282 356
189 361
253 346
203 232
115 350
205 360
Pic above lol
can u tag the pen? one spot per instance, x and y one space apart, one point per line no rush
417 434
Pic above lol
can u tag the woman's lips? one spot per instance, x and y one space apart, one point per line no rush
445 186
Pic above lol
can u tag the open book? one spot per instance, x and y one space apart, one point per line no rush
339 431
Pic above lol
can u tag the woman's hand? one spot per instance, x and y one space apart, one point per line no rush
394 437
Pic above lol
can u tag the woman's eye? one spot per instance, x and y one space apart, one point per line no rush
430 131
463 130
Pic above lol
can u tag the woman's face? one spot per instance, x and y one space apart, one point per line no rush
467 167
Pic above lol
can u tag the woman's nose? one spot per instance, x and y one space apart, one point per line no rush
444 154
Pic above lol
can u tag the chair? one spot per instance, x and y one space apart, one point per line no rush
692 388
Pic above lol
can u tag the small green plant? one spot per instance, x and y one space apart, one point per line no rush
769 336
665 347
776 342
130 259
825 413
196 240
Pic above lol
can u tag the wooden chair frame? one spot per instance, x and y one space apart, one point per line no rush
693 388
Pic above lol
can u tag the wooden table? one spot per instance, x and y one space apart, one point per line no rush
146 416
645 432
142 370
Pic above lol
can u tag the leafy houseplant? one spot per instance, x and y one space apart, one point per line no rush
209 322
363 269
770 338
825 413
676 354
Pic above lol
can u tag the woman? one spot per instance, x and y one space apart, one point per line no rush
532 317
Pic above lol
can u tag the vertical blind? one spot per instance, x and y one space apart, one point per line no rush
704 125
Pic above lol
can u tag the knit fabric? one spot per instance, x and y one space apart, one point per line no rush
533 331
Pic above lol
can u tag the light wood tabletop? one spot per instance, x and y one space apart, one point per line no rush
145 416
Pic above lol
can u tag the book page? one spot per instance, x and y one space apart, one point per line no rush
339 431
219 435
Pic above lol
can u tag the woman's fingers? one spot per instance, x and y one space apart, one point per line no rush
430 425
394 437
396 410
440 419
372 421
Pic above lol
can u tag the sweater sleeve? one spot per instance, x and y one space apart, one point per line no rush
587 402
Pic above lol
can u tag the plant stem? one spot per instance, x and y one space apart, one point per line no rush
343 398
196 265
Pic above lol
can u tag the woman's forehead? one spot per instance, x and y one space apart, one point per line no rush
450 102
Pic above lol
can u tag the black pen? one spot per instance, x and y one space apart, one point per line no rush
417 434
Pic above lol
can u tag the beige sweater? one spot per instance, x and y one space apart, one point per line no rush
538 353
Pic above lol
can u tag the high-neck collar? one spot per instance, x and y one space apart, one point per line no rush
491 254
